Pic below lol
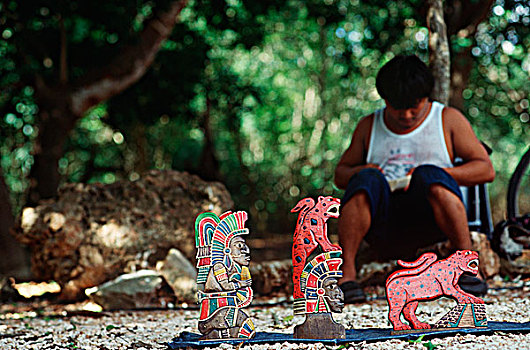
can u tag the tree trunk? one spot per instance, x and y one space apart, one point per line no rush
208 168
56 122
462 19
14 258
439 58
63 105
460 71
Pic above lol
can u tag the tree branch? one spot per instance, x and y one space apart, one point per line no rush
128 67
439 57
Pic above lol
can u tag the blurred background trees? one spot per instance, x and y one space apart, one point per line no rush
261 95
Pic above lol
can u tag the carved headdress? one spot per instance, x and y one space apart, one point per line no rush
231 225
212 239
321 267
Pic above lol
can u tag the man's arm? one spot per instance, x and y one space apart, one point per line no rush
354 158
463 143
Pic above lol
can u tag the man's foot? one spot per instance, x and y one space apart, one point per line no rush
473 285
353 293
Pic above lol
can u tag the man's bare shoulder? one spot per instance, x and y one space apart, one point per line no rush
453 118
365 124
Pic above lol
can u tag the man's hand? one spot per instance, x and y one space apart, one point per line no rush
408 177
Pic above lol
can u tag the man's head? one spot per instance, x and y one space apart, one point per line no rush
404 81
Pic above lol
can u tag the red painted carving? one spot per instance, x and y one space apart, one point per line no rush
428 279
310 232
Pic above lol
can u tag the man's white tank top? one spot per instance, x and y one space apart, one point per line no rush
396 154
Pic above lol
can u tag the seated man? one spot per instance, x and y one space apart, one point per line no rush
413 141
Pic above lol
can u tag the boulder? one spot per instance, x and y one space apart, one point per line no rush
180 274
92 233
137 290
489 260
272 278
519 266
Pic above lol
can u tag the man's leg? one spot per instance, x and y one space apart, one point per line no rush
365 200
450 216
444 196
354 223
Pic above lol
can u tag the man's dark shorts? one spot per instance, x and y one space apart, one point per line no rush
402 221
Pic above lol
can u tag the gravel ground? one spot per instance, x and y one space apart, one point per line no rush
49 326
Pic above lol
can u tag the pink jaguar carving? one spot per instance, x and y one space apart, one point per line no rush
428 279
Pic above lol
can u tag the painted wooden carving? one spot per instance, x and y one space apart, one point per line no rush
223 278
311 231
316 291
428 279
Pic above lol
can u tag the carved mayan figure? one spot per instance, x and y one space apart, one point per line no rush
428 279
316 290
310 232
223 279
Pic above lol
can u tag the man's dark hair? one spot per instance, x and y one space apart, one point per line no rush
404 81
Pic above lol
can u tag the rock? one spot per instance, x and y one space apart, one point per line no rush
92 233
489 260
375 273
180 274
518 266
138 290
8 293
273 277
269 278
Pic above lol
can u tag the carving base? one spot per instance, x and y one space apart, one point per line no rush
319 326
460 316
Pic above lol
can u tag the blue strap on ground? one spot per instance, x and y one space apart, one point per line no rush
188 339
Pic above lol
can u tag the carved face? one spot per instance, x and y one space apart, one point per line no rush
328 206
467 260
334 294
239 251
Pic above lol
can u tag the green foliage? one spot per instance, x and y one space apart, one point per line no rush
429 345
419 340
497 97
280 84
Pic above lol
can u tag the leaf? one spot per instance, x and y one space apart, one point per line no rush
420 338
344 346
110 327
430 346
288 318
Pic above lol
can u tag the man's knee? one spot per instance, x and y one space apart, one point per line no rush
370 176
371 181
368 187
428 178
358 201
441 193
427 174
